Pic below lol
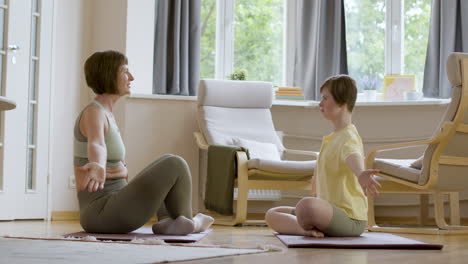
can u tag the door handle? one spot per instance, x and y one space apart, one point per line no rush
13 48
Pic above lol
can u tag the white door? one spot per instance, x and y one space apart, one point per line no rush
25 66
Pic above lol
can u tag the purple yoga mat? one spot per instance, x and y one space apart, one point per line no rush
143 233
366 240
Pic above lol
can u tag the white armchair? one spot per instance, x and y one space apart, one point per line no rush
238 113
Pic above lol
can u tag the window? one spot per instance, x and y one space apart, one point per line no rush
383 37
417 15
387 37
208 39
243 35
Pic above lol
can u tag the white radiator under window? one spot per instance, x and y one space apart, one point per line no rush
262 195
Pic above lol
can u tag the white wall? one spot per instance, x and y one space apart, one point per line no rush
69 45
158 126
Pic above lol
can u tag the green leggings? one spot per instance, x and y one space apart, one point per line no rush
163 187
341 225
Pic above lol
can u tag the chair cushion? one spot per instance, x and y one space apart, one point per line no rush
255 174
283 166
399 168
220 125
235 94
454 73
257 149
417 164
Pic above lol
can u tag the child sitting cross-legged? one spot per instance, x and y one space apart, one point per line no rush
340 208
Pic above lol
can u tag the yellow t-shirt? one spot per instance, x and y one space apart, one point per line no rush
336 183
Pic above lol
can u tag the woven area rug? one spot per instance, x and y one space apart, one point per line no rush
366 240
144 232
51 251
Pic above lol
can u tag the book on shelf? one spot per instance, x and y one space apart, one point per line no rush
289 93
289 89
290 97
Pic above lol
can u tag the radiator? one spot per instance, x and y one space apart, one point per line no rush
262 195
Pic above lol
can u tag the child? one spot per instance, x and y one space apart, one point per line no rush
340 208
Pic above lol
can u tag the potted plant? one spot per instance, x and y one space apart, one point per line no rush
369 86
240 75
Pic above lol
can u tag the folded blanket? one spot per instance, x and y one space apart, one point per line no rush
221 174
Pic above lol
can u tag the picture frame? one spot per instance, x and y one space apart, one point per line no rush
396 86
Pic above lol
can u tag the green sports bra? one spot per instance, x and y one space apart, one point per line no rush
114 144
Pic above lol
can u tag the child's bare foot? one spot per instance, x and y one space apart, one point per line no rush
314 233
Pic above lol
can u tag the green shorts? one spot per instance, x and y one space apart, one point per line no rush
341 225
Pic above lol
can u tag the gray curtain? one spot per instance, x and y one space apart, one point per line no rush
321 44
177 47
448 33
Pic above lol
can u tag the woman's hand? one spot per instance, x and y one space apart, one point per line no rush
95 175
368 183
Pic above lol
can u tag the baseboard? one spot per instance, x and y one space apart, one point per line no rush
380 219
410 220
250 216
65 216
75 216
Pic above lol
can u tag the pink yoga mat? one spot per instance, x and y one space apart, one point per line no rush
143 233
366 240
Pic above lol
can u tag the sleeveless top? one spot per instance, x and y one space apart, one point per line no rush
114 144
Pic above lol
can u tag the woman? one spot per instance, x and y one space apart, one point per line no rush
107 203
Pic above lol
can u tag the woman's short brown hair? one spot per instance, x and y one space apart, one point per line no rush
101 70
343 89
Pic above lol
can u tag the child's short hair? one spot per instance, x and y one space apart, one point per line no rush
343 89
101 70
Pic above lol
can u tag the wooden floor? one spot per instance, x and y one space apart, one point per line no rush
455 246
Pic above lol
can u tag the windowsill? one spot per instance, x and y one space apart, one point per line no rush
163 97
303 103
362 102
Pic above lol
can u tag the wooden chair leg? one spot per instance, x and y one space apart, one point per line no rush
443 227
242 187
370 212
241 207
454 201
423 209
242 193
439 212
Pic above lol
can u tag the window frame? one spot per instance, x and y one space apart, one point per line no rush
224 54
224 58
394 36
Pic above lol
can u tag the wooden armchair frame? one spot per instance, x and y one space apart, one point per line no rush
243 184
397 185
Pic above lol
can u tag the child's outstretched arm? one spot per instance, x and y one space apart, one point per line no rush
365 177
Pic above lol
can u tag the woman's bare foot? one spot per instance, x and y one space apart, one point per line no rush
179 226
202 222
